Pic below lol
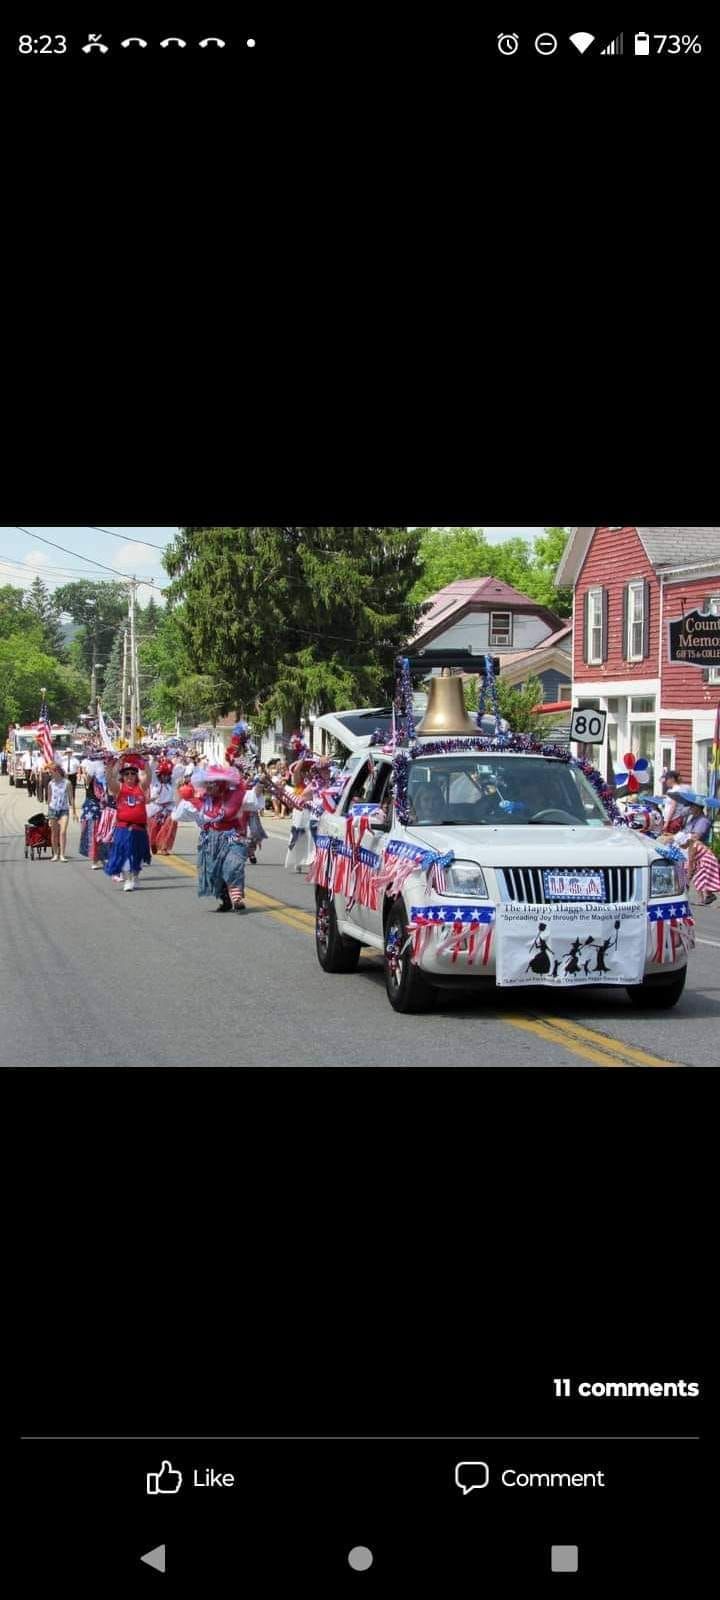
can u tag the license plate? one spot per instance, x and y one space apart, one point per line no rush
574 885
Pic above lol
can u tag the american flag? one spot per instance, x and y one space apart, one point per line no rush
44 735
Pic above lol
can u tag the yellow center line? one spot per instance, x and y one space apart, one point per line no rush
541 1031
614 1046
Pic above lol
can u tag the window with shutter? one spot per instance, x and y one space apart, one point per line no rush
646 620
604 624
595 626
635 620
625 623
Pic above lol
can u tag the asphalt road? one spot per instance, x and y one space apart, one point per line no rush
93 977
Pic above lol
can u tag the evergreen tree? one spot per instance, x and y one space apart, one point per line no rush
287 620
112 677
44 609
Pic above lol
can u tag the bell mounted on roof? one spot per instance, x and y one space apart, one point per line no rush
446 714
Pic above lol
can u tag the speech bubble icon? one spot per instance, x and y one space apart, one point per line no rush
471 1475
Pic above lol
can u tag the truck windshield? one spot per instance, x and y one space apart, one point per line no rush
508 790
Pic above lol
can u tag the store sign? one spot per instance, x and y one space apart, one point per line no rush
695 640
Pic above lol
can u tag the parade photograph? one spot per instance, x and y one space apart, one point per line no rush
453 791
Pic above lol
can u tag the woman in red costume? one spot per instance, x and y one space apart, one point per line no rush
130 847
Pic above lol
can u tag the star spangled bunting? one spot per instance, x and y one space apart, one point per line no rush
673 927
463 938
666 912
439 914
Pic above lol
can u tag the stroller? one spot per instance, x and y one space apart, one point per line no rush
37 835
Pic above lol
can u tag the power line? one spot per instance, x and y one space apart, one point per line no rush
123 537
150 582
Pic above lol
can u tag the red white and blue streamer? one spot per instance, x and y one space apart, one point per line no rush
670 928
463 931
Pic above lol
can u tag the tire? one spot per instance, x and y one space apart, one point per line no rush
406 988
658 996
334 952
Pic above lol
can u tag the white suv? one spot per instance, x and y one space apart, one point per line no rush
487 866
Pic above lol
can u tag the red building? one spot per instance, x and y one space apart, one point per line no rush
628 584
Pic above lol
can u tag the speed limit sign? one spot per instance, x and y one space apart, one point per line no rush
588 727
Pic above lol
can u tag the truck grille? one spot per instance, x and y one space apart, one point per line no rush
525 884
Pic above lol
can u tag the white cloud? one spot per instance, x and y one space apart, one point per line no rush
134 555
39 558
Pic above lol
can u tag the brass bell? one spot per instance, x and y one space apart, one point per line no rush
446 712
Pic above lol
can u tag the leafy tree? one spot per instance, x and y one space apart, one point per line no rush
25 669
285 620
451 553
97 608
541 583
14 615
44 609
515 704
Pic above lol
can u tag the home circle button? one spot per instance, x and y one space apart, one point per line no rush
360 1558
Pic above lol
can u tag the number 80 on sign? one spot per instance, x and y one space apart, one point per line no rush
587 727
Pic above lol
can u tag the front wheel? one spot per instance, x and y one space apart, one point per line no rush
407 989
334 952
658 996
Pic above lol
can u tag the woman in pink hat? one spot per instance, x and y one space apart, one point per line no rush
222 848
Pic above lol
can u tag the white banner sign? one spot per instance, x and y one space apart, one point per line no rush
570 944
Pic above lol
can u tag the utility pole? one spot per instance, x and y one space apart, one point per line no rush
123 697
133 669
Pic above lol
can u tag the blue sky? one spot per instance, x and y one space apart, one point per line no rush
24 556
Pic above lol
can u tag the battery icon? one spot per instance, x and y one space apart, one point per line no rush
642 44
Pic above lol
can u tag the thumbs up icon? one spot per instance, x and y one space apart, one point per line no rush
166 1481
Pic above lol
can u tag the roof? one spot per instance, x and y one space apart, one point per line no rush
664 547
465 593
511 657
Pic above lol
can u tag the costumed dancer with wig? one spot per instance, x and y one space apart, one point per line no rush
300 852
97 817
161 827
130 848
222 848
242 754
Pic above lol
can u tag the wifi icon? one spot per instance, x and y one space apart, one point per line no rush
582 41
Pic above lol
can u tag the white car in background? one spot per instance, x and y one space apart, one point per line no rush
542 887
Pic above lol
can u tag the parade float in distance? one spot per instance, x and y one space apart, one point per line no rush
473 856
24 739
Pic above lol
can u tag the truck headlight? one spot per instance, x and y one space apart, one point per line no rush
665 879
465 878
